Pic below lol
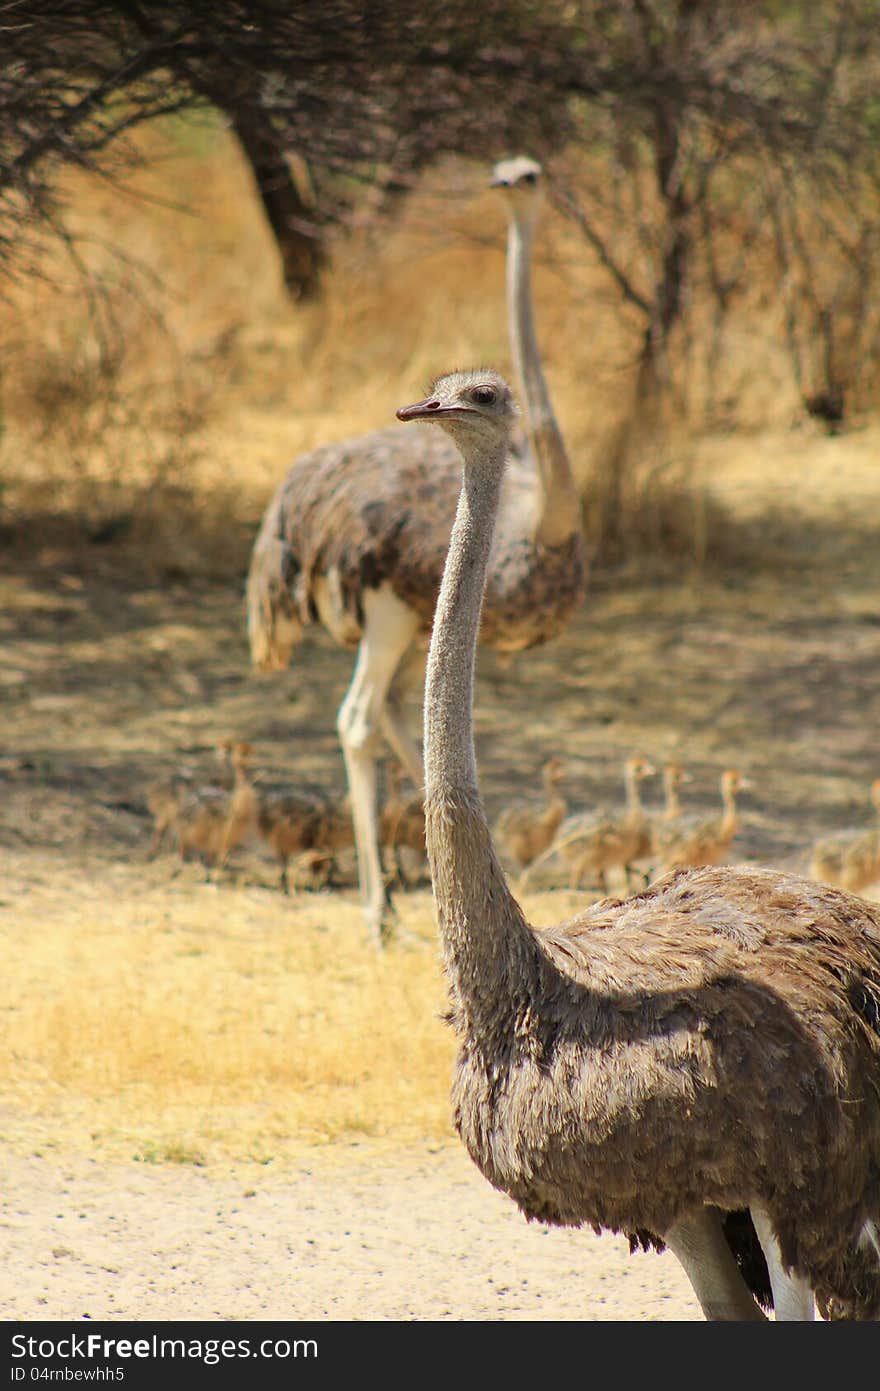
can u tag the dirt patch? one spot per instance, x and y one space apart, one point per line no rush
354 1233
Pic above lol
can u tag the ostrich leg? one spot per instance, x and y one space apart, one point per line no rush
699 1242
389 629
397 735
792 1296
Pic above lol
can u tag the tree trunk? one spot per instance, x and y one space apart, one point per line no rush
292 222
669 296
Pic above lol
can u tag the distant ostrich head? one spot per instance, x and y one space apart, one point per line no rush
475 405
238 750
639 768
519 179
674 775
732 781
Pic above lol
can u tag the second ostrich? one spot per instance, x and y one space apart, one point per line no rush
850 859
708 1047
355 539
526 832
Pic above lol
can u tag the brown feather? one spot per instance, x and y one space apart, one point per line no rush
374 510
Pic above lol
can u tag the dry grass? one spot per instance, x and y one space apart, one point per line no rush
175 1022
164 1026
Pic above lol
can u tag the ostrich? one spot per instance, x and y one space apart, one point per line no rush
355 539
708 841
212 821
706 1050
850 859
164 800
673 777
402 822
526 832
597 844
306 825
600 841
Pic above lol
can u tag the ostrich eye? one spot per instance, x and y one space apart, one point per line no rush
484 395
530 178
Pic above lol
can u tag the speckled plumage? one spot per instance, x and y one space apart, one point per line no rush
379 509
713 1040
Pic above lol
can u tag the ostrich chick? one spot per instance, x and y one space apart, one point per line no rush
212 820
523 830
707 841
594 845
306 826
850 859
164 800
402 821
666 824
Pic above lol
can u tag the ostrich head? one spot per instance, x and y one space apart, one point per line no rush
674 775
518 178
639 768
732 781
475 407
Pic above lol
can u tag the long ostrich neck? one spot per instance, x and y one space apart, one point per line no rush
673 805
560 516
633 796
728 798
555 809
486 943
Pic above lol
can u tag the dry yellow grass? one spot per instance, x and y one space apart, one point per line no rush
179 1021
187 1022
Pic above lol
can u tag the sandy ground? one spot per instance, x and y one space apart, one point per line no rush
361 1233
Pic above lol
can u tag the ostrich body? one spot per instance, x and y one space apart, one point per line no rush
708 1047
591 844
306 826
212 821
850 859
164 800
706 842
526 832
402 822
356 535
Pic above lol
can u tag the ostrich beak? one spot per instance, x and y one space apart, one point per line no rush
421 410
430 409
